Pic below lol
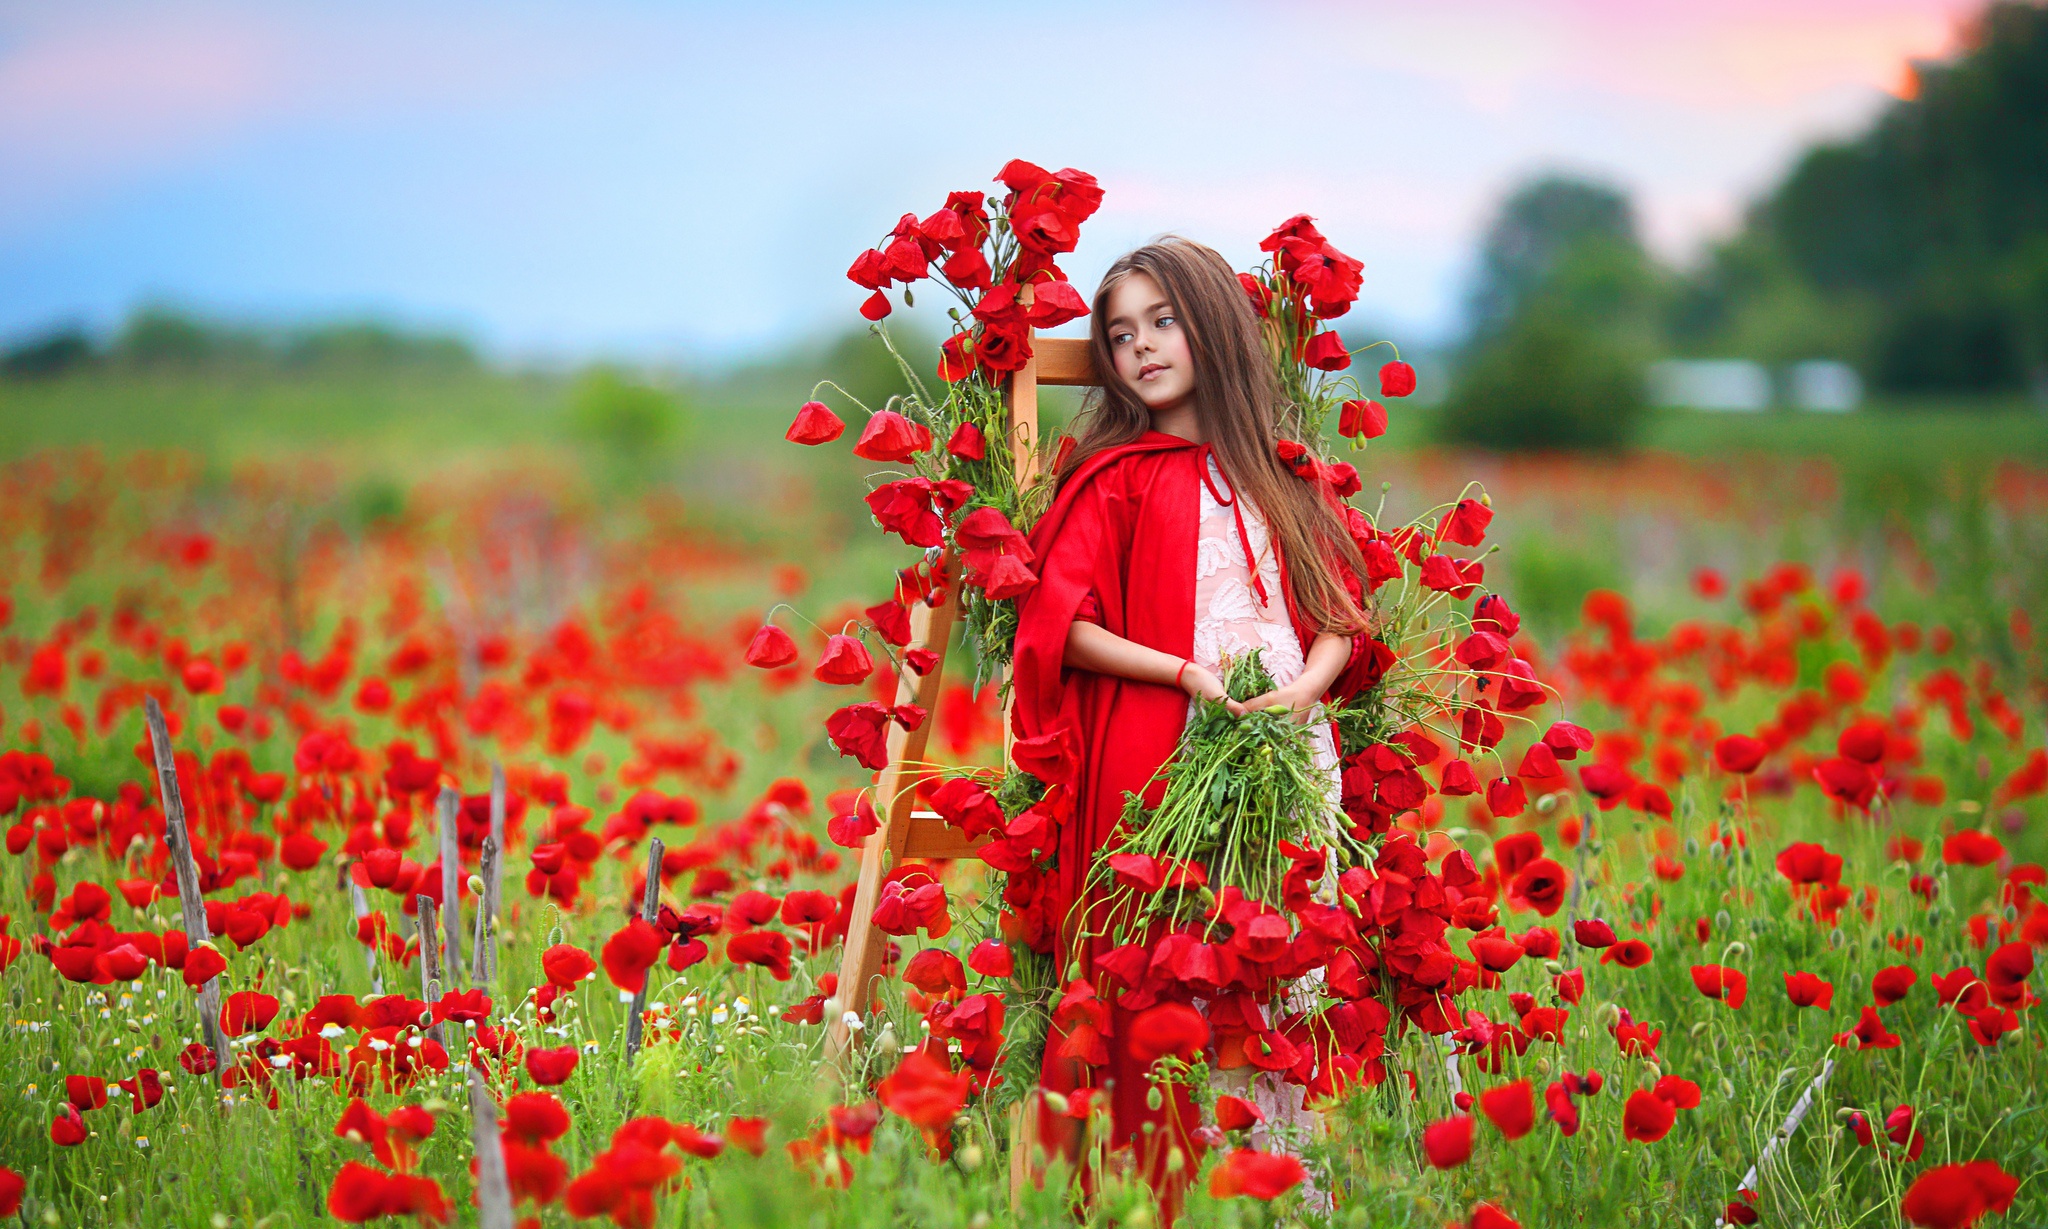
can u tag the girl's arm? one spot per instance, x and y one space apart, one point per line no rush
1326 658
1091 646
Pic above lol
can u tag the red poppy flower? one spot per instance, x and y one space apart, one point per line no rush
1957 1196
1486 1216
67 1129
1804 862
815 424
1629 954
923 1092
771 648
12 1185
844 662
1511 1108
1168 1028
202 964
1889 985
1960 988
565 965
861 731
1260 1175
1720 982
1971 848
1869 1033
991 958
85 1092
551 1067
890 437
1807 990
1447 1143
1325 351
1540 886
630 952
748 1134
1237 1114
769 949
1397 379
1593 932
1647 1117
1495 954
247 1011
145 1090
1362 419
535 1118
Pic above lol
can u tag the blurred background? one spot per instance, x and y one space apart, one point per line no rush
1693 287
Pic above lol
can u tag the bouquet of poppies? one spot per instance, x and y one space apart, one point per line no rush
1240 793
967 504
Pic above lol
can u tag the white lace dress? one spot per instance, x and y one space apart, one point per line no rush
1234 614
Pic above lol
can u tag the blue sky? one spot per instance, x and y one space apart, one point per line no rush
690 181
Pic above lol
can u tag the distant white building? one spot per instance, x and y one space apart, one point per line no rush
1743 386
1710 384
1822 384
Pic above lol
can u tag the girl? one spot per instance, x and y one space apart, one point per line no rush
1177 538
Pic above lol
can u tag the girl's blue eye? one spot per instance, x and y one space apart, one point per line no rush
1164 322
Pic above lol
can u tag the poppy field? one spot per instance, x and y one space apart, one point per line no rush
1741 924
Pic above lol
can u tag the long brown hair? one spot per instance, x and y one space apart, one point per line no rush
1238 402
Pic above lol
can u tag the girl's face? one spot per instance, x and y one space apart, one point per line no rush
1149 345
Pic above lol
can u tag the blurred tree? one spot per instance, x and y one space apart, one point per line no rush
51 354
1542 224
630 420
371 343
159 336
1906 248
1563 321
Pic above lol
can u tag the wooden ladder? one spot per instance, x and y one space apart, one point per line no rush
906 833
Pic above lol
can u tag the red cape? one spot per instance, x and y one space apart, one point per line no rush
1124 528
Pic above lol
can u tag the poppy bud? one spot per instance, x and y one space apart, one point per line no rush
1056 1102
969 1158
1154 1099
476 885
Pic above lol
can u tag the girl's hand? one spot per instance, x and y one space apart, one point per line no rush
1293 697
1199 680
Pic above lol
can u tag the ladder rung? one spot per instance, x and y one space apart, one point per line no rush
1065 361
932 837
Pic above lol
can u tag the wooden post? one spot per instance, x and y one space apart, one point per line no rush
451 884
362 908
431 985
650 903
190 902
483 954
493 1191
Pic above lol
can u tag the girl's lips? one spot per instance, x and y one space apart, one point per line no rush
1149 368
